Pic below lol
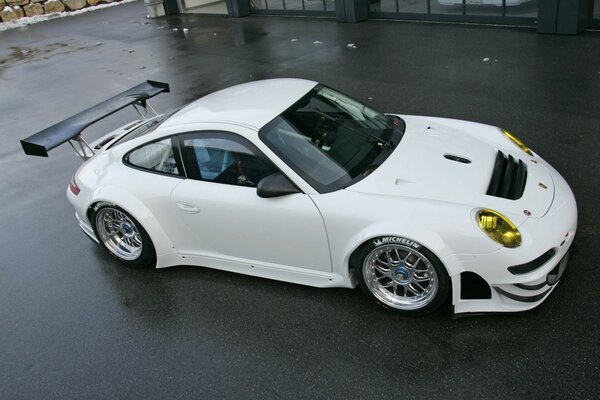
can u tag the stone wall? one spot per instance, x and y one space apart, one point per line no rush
11 10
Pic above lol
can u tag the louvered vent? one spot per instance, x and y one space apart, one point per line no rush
508 178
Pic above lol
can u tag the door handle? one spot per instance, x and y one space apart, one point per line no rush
187 208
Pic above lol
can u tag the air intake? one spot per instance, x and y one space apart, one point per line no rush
508 178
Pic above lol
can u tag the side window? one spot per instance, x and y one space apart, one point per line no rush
155 156
223 158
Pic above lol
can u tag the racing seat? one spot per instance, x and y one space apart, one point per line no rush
212 162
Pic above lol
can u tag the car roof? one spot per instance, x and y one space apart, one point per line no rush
252 104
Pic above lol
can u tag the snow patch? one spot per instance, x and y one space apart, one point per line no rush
21 22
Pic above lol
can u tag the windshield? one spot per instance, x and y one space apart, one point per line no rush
331 140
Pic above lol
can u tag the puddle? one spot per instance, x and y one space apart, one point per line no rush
25 54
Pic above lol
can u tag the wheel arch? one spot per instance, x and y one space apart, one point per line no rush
427 238
119 197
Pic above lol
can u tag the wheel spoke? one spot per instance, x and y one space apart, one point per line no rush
412 290
417 283
418 279
381 269
400 276
118 233
387 285
398 256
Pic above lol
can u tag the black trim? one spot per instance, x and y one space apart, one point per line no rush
297 13
459 159
523 299
526 22
532 265
40 143
181 173
530 287
554 276
474 287
509 177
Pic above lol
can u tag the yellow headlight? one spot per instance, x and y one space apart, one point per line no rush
499 228
517 141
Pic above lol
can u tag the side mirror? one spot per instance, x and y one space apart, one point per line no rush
275 185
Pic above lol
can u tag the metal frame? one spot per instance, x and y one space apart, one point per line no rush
463 17
85 151
299 13
483 19
285 11
595 22
183 8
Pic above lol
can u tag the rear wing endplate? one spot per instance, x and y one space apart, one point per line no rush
70 129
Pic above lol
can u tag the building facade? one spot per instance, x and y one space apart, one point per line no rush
547 16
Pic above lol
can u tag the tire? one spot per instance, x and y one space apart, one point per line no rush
122 236
401 275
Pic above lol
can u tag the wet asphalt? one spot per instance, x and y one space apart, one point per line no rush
76 324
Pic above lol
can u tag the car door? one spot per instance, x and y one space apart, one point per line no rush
222 217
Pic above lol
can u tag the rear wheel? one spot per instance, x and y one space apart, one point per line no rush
402 275
122 236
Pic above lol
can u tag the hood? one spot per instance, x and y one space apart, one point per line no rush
453 161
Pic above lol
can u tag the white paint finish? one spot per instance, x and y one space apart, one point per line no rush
417 168
253 104
308 238
234 222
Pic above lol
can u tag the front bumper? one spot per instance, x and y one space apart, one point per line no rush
540 261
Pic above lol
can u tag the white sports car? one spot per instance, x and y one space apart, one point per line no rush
291 180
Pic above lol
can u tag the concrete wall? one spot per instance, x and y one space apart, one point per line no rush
11 10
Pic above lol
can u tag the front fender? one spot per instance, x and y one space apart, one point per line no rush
444 228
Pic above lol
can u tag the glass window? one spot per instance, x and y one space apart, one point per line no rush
382 6
446 6
258 4
155 156
312 5
412 6
483 7
224 158
522 8
597 9
274 4
294 5
330 139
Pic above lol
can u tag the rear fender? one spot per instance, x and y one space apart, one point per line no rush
113 195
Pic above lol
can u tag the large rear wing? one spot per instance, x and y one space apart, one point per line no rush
69 130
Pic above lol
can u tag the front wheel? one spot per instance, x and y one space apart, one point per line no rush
402 275
122 236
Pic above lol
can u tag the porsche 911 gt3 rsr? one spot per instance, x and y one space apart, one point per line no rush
291 180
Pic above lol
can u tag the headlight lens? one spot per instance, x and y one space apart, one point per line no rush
499 228
517 141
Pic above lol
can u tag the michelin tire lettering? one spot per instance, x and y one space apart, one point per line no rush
396 239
